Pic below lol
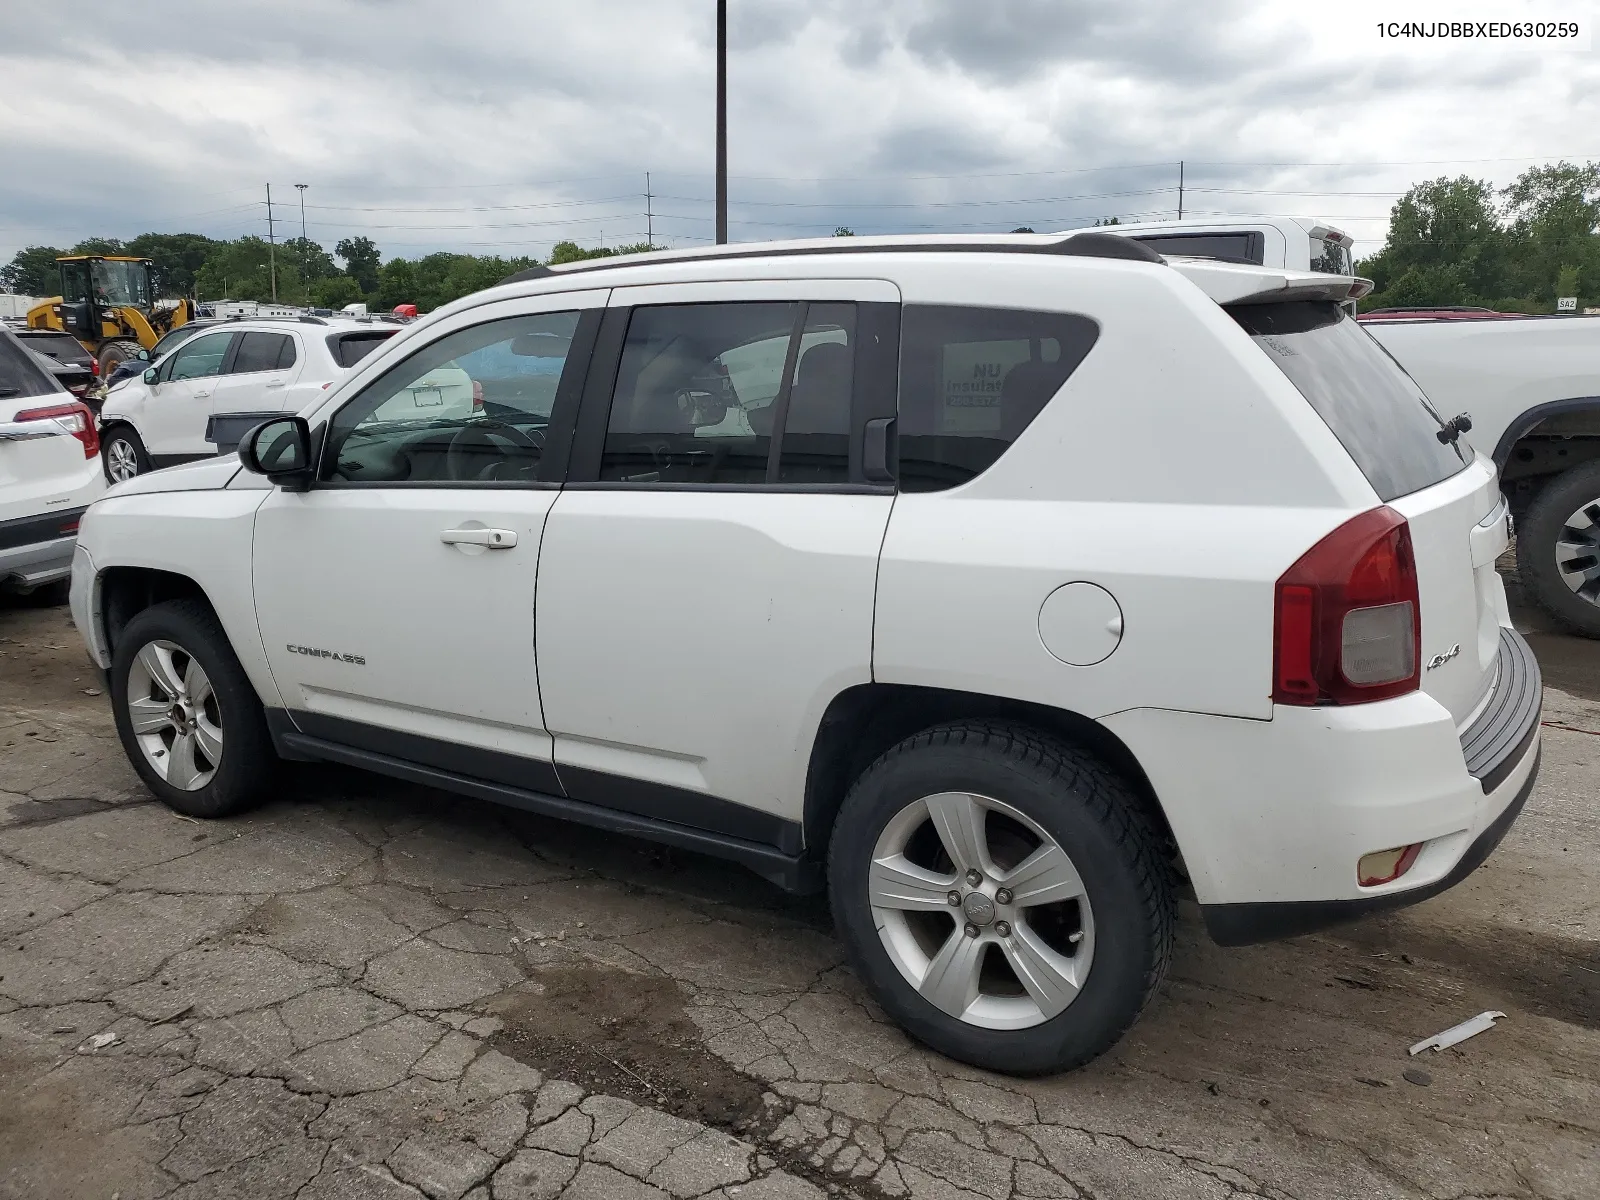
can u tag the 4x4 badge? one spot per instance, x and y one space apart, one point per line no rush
1439 660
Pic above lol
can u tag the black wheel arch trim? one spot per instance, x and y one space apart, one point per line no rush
1533 417
1247 924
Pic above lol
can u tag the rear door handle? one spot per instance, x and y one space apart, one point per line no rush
494 539
275 383
202 395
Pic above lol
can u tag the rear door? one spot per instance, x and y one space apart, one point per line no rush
258 373
707 580
1449 498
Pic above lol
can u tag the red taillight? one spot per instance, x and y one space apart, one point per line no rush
94 366
77 419
477 396
1347 619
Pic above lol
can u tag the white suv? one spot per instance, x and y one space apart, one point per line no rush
49 470
1009 586
199 399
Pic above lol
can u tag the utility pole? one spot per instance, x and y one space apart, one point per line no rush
1180 189
649 216
272 248
722 122
304 262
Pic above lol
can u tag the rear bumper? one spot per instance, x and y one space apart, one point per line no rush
33 551
1271 817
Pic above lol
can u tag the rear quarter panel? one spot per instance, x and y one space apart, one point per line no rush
1177 468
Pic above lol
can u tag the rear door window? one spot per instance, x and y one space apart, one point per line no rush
1374 408
263 352
972 379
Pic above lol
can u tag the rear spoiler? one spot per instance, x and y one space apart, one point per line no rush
1227 284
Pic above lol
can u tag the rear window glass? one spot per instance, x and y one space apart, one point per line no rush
21 374
350 348
1373 407
972 379
1246 247
60 346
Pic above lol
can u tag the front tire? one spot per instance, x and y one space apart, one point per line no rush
1558 549
1002 896
122 454
188 717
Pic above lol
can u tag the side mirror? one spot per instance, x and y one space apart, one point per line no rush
280 449
150 375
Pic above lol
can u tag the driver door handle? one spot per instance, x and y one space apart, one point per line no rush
494 539
201 395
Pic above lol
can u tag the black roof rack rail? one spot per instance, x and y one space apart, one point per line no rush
308 319
1081 245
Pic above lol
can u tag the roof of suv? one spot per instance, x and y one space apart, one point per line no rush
1226 283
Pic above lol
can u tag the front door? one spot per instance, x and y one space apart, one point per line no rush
706 585
396 596
173 419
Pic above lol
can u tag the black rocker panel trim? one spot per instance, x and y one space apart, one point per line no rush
47 527
493 766
792 872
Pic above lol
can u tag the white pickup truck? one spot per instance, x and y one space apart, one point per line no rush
1531 388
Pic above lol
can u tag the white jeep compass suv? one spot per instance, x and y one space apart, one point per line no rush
1007 586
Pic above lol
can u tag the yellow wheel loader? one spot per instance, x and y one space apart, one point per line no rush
108 303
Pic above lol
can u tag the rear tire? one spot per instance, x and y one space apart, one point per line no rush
187 715
1093 934
122 454
114 352
1548 541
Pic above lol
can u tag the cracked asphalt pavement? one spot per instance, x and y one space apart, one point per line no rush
368 989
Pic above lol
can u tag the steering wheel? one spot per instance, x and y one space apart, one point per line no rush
464 457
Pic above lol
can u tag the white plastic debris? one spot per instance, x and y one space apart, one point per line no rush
1458 1033
101 1040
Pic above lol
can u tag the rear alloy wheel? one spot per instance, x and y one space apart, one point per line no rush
188 717
122 454
1002 895
1558 549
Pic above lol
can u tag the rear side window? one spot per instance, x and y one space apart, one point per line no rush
1374 408
972 379
350 348
1246 247
20 375
263 352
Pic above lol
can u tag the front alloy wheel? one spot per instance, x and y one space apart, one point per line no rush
174 715
981 911
122 459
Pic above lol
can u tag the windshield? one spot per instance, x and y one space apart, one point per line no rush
121 283
1373 407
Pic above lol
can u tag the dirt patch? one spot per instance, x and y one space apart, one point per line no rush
43 663
628 1035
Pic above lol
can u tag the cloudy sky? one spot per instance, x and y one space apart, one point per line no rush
502 126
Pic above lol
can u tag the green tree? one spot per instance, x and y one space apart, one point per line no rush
361 260
1099 221
100 245
178 258
335 292
33 271
397 284
241 270
310 260
1023 229
1445 246
1554 212
844 231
